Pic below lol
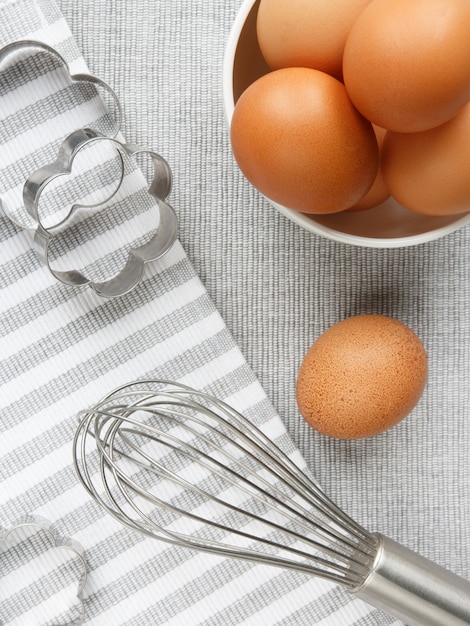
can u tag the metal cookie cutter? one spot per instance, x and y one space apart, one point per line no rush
29 47
50 565
159 188
35 76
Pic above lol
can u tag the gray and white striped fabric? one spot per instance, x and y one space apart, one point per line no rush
62 349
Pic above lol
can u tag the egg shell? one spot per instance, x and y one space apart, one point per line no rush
406 63
299 140
361 377
429 172
379 192
306 33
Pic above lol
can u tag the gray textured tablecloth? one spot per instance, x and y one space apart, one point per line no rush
278 287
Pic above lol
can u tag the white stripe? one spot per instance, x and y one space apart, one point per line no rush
72 403
45 559
14 246
243 586
64 601
84 163
36 472
54 35
206 375
247 397
75 497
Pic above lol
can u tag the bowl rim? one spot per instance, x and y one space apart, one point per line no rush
306 222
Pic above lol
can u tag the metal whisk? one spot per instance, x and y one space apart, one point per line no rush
182 466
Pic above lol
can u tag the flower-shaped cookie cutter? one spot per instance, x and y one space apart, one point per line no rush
32 550
159 188
30 86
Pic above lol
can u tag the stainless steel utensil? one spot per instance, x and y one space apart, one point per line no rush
181 466
160 186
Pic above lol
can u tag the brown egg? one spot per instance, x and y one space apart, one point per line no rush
406 63
361 377
379 192
306 33
429 172
298 139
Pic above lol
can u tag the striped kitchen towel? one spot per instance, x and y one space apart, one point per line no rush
62 349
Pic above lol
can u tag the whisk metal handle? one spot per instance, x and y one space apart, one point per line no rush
414 589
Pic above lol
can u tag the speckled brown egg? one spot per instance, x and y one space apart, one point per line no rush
361 377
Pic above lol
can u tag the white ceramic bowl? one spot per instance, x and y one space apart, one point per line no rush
388 226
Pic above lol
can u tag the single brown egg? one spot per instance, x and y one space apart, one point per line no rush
306 33
361 377
428 172
406 64
298 139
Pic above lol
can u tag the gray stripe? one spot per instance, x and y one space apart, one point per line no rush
62 433
21 69
60 482
18 19
169 606
326 605
12 271
376 618
49 10
73 188
7 228
147 573
78 241
91 321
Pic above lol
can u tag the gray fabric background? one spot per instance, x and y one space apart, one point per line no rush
278 287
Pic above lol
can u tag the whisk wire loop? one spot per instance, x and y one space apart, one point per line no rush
123 481
161 470
260 447
192 427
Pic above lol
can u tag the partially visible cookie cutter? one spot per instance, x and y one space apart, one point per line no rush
31 46
159 188
35 525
